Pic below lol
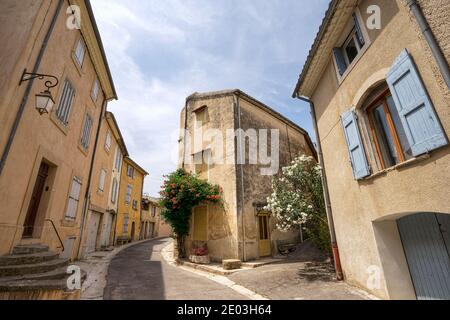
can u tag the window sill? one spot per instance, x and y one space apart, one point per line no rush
68 223
83 150
77 65
349 69
398 167
64 128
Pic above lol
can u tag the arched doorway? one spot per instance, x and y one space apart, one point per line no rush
425 239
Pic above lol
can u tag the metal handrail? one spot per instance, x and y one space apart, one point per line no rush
56 231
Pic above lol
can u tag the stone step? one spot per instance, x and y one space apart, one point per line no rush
26 269
33 285
29 249
54 280
33 258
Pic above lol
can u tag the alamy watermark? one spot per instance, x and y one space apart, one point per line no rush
230 147
74 280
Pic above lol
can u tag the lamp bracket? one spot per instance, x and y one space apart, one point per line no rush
50 83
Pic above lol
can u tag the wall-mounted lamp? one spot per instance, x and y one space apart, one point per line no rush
44 100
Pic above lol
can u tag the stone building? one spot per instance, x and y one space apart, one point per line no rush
151 219
128 221
215 126
381 98
47 154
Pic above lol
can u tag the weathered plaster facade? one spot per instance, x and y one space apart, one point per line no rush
366 211
44 139
128 225
232 232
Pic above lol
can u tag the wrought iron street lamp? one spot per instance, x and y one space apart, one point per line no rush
44 100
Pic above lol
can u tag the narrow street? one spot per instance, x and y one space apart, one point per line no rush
139 272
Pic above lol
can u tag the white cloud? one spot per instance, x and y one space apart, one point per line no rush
161 51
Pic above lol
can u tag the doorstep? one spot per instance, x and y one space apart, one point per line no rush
216 268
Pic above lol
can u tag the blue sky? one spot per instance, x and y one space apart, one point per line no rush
160 52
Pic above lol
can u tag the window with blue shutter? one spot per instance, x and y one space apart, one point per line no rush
340 61
418 117
355 146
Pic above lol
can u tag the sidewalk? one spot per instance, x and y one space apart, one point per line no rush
302 276
96 266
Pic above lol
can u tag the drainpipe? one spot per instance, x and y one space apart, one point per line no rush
26 95
431 40
87 195
240 180
184 133
337 260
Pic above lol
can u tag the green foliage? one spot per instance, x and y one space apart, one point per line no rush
180 193
297 201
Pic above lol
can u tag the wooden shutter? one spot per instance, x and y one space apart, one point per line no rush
355 146
74 197
419 120
101 184
65 102
340 61
359 33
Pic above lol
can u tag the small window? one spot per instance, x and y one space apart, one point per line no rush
74 198
130 171
202 161
86 135
80 52
352 46
108 141
135 204
128 194
126 220
114 191
65 103
101 183
387 131
201 116
95 89
118 161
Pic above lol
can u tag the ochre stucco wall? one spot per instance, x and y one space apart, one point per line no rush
358 207
40 137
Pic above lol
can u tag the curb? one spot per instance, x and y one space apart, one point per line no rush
167 255
95 283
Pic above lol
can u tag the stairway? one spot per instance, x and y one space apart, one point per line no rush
33 268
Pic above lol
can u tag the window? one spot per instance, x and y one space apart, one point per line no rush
118 161
351 47
80 52
135 204
95 89
130 171
201 116
202 160
128 194
153 211
108 141
387 131
86 135
101 183
74 198
65 102
403 122
114 191
126 220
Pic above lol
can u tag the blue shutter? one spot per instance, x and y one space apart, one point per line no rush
340 61
420 122
359 33
355 146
